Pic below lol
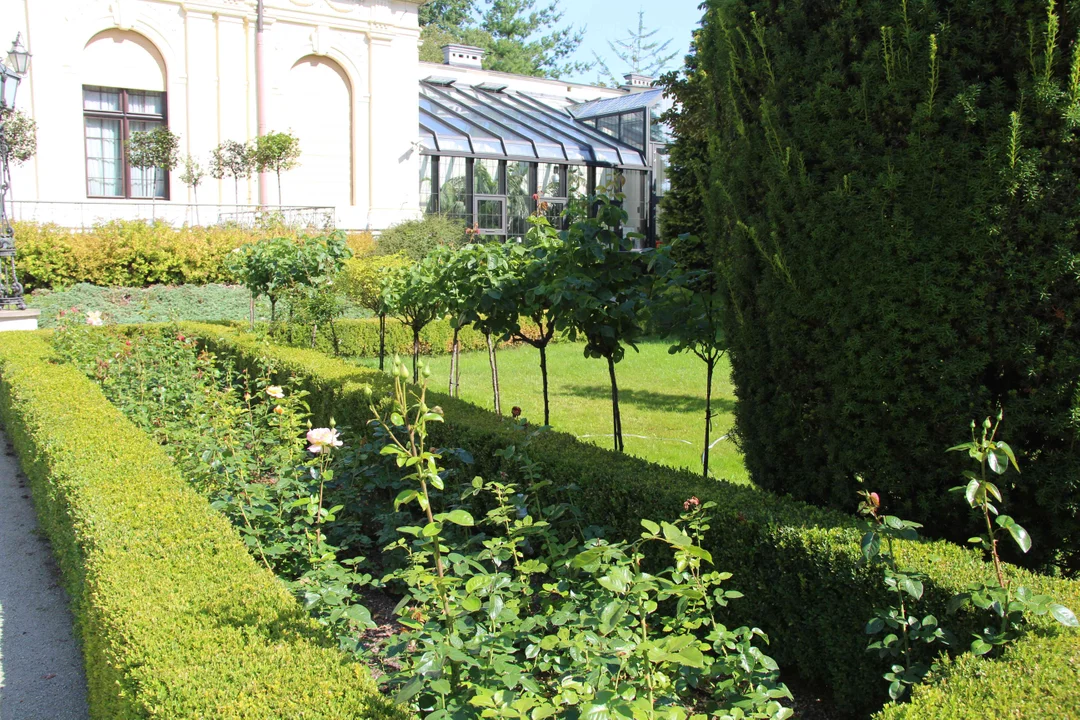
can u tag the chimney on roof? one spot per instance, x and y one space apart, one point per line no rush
463 56
637 83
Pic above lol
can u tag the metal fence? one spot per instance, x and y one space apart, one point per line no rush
83 215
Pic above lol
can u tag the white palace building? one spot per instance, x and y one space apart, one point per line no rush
342 75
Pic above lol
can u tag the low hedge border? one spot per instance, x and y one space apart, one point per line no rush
798 565
177 620
360 338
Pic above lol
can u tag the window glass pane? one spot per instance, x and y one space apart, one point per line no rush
632 131
101 99
487 177
549 181
554 212
489 215
518 197
104 165
146 103
142 180
608 125
453 192
428 200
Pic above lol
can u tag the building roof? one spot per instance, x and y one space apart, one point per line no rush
614 106
458 119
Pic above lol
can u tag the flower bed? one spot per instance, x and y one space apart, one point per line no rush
176 618
799 566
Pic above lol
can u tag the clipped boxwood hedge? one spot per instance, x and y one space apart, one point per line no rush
360 338
177 620
798 565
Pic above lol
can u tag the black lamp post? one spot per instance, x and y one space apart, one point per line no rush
11 74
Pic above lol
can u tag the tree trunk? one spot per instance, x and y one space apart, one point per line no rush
454 359
195 192
273 311
708 417
252 312
334 337
416 356
616 416
153 198
382 341
544 375
279 190
236 192
494 373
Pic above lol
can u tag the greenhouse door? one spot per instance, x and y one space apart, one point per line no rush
489 214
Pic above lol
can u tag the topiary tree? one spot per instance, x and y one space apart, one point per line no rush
192 176
232 159
157 150
276 152
893 202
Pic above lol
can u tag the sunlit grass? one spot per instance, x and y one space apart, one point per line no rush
662 398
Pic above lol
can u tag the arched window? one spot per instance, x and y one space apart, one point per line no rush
123 92
317 108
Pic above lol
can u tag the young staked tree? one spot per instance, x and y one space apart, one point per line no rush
362 280
602 295
411 294
277 152
638 52
232 159
485 272
157 150
192 175
533 291
686 309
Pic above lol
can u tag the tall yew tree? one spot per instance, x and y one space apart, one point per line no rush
894 201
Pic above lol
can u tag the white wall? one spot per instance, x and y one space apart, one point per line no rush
340 73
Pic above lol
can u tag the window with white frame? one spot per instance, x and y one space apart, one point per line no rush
110 116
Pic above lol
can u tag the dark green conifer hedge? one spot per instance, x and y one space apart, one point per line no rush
894 202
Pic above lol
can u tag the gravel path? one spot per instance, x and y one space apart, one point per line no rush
41 665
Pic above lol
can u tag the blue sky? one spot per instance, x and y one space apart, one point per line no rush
610 19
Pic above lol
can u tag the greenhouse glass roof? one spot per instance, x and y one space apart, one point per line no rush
465 120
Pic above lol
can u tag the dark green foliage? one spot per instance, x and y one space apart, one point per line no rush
894 203
417 238
683 206
800 567
175 617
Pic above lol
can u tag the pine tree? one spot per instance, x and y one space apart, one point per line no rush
639 52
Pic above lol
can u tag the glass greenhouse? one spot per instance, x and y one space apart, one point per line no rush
487 150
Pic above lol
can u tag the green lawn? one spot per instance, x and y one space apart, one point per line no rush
662 398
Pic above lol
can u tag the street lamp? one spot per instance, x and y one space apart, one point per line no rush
11 290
